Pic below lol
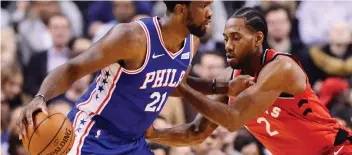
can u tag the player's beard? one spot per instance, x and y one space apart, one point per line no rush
242 62
193 28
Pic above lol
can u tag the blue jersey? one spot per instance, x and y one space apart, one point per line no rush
132 99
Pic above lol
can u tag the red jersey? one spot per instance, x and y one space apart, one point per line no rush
294 124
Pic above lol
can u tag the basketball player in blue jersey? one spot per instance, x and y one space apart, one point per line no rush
140 64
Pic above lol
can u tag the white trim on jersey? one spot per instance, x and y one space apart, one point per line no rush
102 93
88 100
287 98
191 50
172 55
147 55
111 90
81 131
264 56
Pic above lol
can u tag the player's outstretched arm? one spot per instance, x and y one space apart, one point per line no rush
123 42
275 78
219 86
186 134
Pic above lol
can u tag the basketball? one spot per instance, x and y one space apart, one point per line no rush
52 134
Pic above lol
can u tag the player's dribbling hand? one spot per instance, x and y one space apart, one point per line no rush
26 117
239 84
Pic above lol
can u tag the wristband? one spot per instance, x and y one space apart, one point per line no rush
40 95
213 86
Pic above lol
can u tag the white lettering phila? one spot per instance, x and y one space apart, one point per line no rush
162 78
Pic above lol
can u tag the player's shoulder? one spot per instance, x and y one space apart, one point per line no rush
289 70
129 35
284 64
132 31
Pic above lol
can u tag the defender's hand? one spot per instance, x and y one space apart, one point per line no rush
26 117
239 84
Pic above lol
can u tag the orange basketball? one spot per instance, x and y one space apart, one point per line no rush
52 134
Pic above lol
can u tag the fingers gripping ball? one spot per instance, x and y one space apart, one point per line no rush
52 134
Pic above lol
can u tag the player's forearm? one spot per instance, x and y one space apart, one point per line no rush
186 134
205 86
58 81
177 136
215 111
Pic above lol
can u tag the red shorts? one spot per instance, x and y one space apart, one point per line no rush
344 149
343 144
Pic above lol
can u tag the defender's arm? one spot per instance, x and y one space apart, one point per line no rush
186 134
272 81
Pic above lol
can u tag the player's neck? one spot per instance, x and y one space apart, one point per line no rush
254 66
173 33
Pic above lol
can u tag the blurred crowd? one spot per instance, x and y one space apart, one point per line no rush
36 37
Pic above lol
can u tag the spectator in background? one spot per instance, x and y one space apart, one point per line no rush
207 43
73 14
60 106
213 142
34 35
12 142
123 11
101 12
8 46
5 121
173 111
76 91
333 59
246 144
5 18
316 19
331 93
290 6
211 64
219 19
279 23
15 145
215 152
79 46
11 88
43 62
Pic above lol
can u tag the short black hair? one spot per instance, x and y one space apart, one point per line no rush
254 19
276 7
170 5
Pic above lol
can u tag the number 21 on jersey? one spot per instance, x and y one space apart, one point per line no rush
156 96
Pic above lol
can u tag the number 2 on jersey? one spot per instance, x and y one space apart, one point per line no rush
267 126
151 107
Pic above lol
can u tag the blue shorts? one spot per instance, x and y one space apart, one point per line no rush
95 135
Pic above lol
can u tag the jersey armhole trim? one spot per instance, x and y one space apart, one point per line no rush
147 55
192 50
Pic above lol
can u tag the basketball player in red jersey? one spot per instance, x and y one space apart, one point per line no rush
280 109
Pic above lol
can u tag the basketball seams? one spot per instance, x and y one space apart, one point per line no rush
29 142
54 136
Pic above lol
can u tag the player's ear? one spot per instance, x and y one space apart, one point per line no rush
259 38
180 9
